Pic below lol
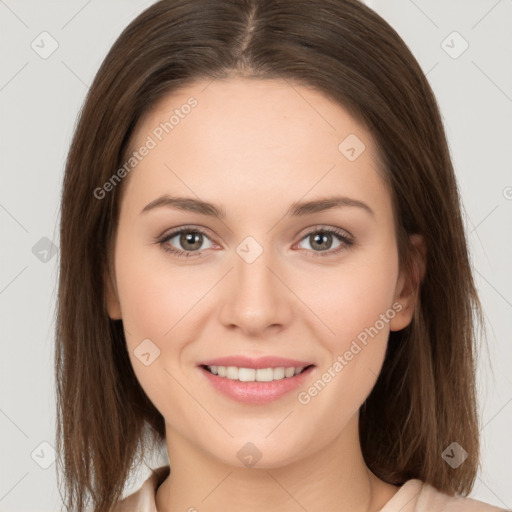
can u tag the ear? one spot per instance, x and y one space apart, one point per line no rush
408 283
111 297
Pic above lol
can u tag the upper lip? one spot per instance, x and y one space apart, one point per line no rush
259 362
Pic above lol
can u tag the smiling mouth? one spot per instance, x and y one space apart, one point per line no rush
255 374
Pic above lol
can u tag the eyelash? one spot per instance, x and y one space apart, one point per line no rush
346 242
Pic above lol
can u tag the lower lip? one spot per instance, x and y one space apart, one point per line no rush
256 392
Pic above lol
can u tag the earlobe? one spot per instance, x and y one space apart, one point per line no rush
409 282
111 298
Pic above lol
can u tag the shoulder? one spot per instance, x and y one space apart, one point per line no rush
417 496
143 500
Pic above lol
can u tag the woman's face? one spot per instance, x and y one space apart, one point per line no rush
318 286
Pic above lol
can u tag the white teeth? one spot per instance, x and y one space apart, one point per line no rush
289 372
278 373
246 374
232 372
265 374
254 375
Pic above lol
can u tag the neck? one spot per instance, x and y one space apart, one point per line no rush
334 478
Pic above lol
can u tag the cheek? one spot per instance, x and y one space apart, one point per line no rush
361 304
357 307
353 298
161 304
148 304
154 307
153 298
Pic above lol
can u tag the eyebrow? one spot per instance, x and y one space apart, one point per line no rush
297 209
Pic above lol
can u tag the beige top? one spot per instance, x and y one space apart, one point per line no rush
413 496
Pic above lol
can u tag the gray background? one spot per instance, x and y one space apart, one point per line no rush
40 99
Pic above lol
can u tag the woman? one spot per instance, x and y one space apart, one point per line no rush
264 268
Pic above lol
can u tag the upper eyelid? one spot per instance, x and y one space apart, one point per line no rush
324 227
172 233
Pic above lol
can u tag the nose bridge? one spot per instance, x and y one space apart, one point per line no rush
256 298
254 280
253 276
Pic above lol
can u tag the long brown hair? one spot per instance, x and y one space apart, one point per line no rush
424 398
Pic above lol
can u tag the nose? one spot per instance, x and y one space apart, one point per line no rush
255 299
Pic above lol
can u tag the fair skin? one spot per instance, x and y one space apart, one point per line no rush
253 148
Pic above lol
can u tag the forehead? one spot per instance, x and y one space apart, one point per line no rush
273 111
246 135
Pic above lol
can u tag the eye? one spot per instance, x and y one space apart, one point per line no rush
190 240
321 240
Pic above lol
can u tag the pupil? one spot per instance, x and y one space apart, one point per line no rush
322 240
188 238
